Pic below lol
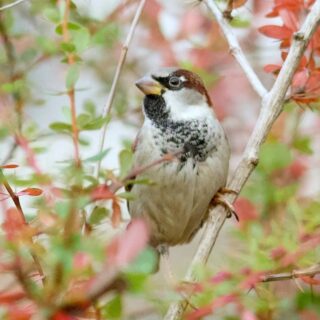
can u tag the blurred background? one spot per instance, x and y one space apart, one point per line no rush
282 194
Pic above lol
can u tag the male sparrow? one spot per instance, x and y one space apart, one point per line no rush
179 120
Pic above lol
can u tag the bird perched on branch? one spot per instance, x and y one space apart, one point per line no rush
180 121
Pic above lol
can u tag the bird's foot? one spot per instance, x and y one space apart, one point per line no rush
219 199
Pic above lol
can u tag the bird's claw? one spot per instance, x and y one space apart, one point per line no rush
219 199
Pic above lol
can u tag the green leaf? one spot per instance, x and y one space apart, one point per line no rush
106 35
98 156
90 108
145 263
98 214
303 144
62 208
71 26
274 155
72 76
61 127
126 160
113 309
126 195
68 47
238 22
47 45
81 39
52 14
96 123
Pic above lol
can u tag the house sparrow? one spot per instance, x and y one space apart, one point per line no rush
179 120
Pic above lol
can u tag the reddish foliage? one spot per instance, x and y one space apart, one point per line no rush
217 303
81 260
9 166
246 211
297 169
221 277
34 192
278 253
125 248
15 312
101 192
63 316
11 296
238 3
276 32
13 224
310 280
305 85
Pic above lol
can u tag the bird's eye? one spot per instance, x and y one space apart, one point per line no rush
174 82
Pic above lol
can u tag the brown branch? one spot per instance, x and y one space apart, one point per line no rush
123 55
71 91
272 105
310 271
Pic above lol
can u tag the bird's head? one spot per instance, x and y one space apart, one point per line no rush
181 92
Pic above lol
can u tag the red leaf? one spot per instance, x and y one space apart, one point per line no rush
125 248
101 192
276 32
9 166
310 280
21 313
238 3
11 297
299 80
221 277
245 210
33 192
116 213
63 316
272 68
278 253
13 224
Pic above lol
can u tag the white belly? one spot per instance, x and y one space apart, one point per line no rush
176 202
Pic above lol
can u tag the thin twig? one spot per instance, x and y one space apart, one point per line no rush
17 203
71 91
272 105
235 49
108 106
115 186
10 5
310 271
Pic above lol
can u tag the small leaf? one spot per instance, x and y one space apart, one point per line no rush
9 166
274 155
98 214
52 14
68 47
72 76
98 156
81 39
61 127
126 195
126 161
276 32
33 192
113 309
271 68
71 26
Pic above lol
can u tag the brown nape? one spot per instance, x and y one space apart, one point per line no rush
193 82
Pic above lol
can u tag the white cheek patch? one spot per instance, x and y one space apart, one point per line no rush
187 104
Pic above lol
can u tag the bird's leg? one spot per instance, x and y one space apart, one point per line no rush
163 250
219 199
